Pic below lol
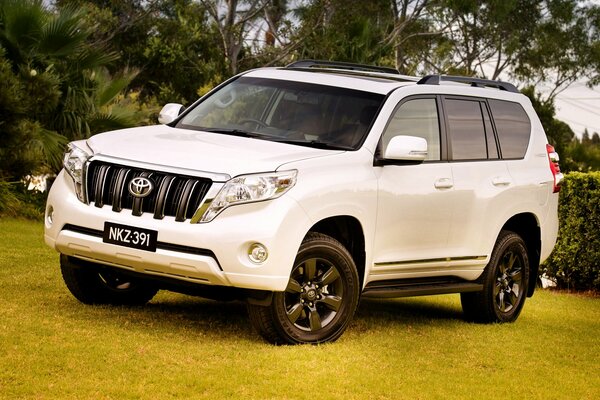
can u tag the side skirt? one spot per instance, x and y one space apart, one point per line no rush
419 287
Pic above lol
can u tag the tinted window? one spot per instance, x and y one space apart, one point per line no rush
286 111
466 130
513 127
419 118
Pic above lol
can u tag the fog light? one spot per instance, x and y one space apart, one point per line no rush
257 253
50 216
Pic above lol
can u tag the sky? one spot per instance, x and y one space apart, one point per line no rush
579 106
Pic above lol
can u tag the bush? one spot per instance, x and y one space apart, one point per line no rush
575 261
17 201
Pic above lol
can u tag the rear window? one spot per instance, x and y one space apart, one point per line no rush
513 128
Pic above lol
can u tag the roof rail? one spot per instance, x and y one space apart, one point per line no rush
341 65
475 82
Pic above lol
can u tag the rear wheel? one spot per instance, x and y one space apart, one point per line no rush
94 286
320 299
505 283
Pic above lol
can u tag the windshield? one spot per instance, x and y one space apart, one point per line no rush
292 112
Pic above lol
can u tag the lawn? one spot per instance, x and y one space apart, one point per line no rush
52 346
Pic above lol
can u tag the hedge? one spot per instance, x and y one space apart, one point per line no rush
575 261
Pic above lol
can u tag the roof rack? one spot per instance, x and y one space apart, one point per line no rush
341 65
475 82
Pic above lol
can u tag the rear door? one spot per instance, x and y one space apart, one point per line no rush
482 183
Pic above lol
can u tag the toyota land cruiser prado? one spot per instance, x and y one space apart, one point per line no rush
302 189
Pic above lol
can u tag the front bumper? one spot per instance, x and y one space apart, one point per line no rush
215 253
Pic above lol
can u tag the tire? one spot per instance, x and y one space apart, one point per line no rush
505 283
320 300
103 286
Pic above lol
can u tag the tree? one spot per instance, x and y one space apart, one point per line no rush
481 38
341 30
413 32
54 74
275 12
563 47
233 21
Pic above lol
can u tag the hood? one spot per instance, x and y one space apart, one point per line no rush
199 151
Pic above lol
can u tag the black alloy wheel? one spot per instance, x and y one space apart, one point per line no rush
314 295
505 282
320 299
509 282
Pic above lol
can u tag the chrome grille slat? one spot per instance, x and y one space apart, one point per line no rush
177 196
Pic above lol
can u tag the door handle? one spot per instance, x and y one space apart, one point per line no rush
501 181
443 183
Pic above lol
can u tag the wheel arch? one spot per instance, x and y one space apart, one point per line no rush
527 226
349 231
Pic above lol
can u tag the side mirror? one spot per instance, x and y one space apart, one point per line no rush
406 148
169 113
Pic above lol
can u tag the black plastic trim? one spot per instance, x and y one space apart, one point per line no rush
475 82
419 287
341 65
159 245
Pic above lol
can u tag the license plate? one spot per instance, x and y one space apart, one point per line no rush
129 236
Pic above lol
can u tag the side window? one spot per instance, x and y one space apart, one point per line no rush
513 127
418 117
466 130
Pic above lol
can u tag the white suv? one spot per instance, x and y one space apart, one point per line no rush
301 189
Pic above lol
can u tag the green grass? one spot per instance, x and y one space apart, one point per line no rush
51 346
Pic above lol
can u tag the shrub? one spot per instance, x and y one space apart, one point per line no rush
575 261
17 201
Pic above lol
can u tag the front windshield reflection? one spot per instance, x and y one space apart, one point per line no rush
293 112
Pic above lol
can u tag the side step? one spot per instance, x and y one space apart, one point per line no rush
418 287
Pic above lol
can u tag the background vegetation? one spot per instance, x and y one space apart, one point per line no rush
575 261
73 68
53 347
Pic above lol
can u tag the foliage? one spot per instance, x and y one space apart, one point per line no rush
575 154
352 31
575 261
25 145
54 85
17 201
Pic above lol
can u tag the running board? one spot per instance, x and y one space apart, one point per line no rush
409 288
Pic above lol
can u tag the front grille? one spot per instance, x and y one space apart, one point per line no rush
173 195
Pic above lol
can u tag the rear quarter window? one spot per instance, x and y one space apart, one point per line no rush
512 126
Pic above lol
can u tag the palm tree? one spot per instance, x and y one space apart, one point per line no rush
63 75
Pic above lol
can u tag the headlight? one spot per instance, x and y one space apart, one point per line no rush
249 189
74 163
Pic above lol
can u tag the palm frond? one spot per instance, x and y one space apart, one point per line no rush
108 88
62 35
92 58
22 23
111 119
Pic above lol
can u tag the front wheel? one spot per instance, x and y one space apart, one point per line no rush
505 283
320 299
103 286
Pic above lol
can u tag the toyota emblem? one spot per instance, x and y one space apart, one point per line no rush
140 187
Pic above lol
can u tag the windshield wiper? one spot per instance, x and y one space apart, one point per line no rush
317 144
234 132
